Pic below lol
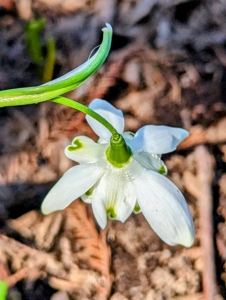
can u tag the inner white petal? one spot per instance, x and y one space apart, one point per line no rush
151 162
114 195
87 197
85 150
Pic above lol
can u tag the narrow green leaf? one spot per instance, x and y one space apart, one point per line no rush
63 84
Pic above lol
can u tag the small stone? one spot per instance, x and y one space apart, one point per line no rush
118 296
61 295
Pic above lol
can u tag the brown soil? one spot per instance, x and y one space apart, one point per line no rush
167 66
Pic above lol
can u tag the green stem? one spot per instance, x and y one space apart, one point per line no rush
73 104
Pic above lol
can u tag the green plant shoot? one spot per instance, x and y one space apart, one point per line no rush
3 290
33 40
44 63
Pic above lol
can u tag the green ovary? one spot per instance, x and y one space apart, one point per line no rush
118 153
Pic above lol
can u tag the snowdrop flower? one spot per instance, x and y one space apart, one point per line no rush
123 173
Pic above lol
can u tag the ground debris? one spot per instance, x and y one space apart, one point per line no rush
166 66
43 262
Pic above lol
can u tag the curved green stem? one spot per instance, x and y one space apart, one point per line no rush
73 104
63 84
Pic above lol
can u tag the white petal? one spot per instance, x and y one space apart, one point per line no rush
87 197
157 139
85 150
151 162
102 141
163 206
74 183
110 113
99 210
113 196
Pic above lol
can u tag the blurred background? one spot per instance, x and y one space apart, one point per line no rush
167 65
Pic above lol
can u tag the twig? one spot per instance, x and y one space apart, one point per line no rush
205 176
18 276
96 253
22 256
199 135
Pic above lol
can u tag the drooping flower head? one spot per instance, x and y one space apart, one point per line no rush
123 173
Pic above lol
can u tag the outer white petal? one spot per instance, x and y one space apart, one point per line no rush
151 162
74 183
163 206
85 150
113 196
157 139
110 113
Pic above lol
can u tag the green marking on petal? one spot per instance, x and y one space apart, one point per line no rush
89 192
111 212
77 145
136 209
71 148
162 170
